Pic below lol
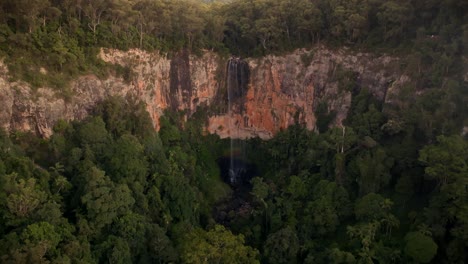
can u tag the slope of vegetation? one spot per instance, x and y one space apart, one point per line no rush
66 34
110 188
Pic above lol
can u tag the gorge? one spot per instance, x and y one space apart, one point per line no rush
274 91
233 131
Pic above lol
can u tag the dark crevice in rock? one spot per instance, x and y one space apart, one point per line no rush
180 81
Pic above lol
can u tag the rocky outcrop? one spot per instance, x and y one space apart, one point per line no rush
276 91
286 89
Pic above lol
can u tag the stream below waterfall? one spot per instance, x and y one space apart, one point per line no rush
235 167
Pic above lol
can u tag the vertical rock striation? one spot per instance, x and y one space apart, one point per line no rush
268 94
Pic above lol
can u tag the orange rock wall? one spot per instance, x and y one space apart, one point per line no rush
277 93
280 91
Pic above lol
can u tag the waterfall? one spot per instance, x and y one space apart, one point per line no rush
237 80
232 67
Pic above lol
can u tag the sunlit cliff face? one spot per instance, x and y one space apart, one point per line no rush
273 92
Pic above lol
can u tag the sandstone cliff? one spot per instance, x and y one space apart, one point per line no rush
275 91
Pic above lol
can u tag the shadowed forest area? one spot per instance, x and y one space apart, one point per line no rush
389 186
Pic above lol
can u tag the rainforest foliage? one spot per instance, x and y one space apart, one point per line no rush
67 34
389 186
112 189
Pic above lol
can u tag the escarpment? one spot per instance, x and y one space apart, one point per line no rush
270 93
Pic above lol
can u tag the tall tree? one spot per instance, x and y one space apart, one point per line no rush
94 11
104 201
216 246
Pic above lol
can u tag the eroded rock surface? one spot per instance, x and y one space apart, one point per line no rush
279 90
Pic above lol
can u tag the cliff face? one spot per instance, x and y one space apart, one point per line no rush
266 94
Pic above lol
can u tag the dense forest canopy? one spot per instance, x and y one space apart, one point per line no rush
389 186
112 189
68 33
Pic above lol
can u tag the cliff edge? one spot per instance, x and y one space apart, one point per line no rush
277 91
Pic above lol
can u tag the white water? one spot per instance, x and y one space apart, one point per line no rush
230 86
237 148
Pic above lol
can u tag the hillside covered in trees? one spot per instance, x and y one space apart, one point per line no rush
67 34
389 186
111 189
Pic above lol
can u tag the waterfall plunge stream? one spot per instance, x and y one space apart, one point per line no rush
237 81
236 169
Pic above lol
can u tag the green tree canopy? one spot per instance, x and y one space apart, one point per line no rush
419 247
217 245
